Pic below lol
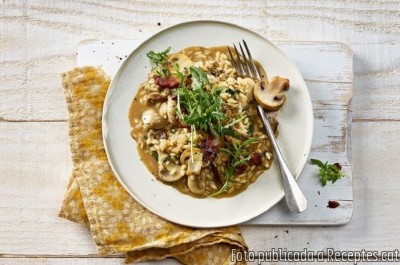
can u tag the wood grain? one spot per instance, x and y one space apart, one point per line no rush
38 40
30 74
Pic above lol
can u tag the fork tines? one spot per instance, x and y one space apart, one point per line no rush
243 64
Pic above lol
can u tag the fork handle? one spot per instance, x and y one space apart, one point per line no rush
295 198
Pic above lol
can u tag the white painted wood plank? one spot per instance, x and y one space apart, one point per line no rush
29 73
35 165
376 81
328 61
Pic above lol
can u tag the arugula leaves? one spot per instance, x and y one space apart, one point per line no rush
159 59
198 107
200 79
201 108
327 172
238 157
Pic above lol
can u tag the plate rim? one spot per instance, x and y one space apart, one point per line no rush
307 145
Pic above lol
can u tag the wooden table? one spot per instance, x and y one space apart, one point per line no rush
38 42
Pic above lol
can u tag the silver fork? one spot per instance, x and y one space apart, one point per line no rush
245 66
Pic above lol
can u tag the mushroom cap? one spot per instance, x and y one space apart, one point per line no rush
169 172
195 165
180 59
187 153
197 184
271 96
153 119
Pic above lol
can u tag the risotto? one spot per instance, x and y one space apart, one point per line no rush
196 123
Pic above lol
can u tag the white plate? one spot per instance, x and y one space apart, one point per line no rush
295 117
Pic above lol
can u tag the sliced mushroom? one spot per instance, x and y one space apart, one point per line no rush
152 119
156 97
169 172
187 153
195 164
197 184
271 96
181 60
171 111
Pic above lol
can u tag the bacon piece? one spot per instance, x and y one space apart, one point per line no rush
240 168
255 159
333 204
166 82
210 148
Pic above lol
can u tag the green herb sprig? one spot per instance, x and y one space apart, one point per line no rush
327 172
238 157
159 60
203 107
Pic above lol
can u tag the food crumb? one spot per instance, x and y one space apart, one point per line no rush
333 204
